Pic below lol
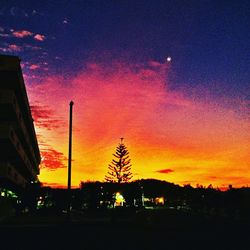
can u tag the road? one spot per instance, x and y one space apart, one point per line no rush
168 233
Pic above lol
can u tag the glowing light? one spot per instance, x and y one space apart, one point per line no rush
169 59
119 199
159 201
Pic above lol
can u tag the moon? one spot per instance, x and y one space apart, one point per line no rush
169 59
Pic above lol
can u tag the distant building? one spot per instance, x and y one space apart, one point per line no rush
19 152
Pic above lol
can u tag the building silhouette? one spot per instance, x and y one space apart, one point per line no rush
19 152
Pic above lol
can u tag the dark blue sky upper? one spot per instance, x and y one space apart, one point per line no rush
208 40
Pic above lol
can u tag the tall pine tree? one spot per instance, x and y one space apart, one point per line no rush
119 169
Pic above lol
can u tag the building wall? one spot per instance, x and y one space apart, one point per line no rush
19 156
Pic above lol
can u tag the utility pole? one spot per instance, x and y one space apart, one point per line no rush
69 158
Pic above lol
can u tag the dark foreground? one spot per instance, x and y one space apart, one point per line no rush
119 230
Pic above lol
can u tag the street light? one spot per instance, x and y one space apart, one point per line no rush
70 153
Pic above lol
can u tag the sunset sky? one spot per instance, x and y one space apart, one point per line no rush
171 77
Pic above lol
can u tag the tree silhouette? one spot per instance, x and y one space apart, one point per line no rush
119 169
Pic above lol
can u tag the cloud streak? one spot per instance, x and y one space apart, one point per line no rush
39 37
22 33
45 117
52 159
34 66
11 48
165 171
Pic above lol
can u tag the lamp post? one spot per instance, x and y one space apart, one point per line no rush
69 158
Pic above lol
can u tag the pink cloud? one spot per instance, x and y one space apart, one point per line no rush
165 171
155 64
34 66
45 117
39 37
22 33
52 159
11 48
15 47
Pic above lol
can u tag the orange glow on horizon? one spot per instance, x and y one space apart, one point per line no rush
170 136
